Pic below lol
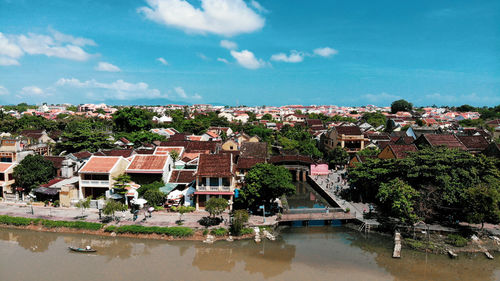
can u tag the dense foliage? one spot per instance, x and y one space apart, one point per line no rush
375 119
83 134
435 184
401 105
132 119
216 206
33 171
139 229
264 183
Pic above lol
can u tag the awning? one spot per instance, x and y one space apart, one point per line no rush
213 193
168 187
116 196
47 191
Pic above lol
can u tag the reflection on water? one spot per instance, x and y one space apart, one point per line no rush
317 253
305 197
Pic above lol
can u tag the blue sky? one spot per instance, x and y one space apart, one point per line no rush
247 52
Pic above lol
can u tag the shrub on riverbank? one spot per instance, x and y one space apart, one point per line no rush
139 229
72 224
456 240
18 221
219 231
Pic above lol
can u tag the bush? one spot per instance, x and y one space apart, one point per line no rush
183 209
15 220
56 203
347 210
139 229
219 231
154 197
246 231
205 232
240 217
216 206
209 221
159 208
456 240
72 224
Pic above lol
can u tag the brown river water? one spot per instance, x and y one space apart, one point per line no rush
305 253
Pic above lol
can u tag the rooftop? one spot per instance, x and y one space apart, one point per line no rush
148 163
100 164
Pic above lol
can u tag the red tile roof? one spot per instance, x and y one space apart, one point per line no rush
182 176
215 165
118 152
401 150
147 163
450 141
82 154
99 164
5 166
477 143
56 160
247 163
348 130
165 150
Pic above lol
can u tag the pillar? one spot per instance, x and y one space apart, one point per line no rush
304 175
197 202
362 145
297 175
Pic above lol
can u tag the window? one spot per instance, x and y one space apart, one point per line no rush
214 181
2 177
225 182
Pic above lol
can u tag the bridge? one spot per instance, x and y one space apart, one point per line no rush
315 214
298 165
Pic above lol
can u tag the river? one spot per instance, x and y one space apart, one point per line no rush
312 253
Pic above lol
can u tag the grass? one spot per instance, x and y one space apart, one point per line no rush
456 240
139 229
20 221
219 231
246 230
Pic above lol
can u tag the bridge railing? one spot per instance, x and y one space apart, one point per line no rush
311 210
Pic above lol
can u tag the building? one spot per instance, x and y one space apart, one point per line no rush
433 140
145 169
397 151
97 175
214 178
474 144
349 138
6 178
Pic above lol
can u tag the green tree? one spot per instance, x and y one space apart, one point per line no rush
264 183
113 206
82 135
175 155
398 199
337 156
131 119
401 105
369 152
33 171
482 204
375 119
216 206
151 186
84 204
154 197
240 217
267 116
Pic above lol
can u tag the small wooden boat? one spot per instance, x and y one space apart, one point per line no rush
452 254
82 250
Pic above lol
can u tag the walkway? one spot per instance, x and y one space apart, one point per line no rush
331 185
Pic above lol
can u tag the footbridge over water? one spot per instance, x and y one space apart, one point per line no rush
316 214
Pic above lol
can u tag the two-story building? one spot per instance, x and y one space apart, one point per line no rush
145 169
349 138
6 178
96 176
214 178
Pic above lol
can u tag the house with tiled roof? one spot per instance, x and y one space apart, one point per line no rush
474 144
349 138
450 141
214 178
360 159
145 169
396 151
97 175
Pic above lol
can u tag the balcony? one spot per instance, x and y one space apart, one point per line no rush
95 183
213 188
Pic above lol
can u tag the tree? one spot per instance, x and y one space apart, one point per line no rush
151 186
401 105
154 197
398 199
483 204
371 151
375 119
175 155
337 156
465 108
131 119
33 171
216 206
113 206
82 135
84 204
267 116
240 217
264 183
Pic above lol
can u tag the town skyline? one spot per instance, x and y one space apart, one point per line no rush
249 53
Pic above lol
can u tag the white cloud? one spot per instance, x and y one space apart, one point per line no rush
247 59
162 60
223 60
106 66
8 61
473 98
257 6
380 99
3 91
294 57
222 17
13 47
31 91
183 95
230 45
325 52
202 56
119 89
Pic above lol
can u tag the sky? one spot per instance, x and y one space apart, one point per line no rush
248 52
